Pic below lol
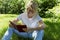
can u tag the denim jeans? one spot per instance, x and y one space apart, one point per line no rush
36 35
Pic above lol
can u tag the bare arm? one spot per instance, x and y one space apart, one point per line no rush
14 21
17 19
40 27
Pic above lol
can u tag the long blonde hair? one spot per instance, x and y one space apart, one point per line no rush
32 4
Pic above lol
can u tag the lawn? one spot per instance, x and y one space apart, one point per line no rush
52 30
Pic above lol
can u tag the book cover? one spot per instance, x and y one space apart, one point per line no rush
18 27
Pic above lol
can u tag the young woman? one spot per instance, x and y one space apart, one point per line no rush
34 23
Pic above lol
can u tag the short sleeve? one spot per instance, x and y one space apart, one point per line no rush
39 18
19 17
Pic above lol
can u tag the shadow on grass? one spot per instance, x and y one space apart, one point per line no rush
2 32
52 31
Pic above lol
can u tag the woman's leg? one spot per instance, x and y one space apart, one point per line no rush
38 35
8 34
23 34
10 31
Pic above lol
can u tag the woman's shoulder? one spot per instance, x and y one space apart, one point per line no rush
38 17
22 15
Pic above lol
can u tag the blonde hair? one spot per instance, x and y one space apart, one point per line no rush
31 4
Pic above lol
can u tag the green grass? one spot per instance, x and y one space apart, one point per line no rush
4 23
52 30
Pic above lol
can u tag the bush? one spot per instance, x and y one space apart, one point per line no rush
18 6
45 5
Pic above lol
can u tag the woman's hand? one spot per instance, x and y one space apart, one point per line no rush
14 21
41 24
10 25
26 29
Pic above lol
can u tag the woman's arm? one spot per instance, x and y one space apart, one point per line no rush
40 27
14 21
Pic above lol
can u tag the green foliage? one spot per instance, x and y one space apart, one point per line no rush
44 5
11 6
52 29
18 6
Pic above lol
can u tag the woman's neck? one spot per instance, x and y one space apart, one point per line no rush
29 16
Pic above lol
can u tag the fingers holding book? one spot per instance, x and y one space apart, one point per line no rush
11 24
18 27
26 29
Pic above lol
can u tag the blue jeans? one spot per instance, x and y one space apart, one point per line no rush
36 35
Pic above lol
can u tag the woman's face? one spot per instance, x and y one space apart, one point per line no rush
30 12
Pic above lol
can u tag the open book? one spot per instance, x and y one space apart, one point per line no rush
18 27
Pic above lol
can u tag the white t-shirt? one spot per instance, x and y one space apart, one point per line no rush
30 22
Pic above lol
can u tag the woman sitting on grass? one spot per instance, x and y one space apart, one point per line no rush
34 23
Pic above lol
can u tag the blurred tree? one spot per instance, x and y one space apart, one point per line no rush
44 5
18 6
11 6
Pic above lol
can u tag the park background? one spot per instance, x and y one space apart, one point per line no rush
49 10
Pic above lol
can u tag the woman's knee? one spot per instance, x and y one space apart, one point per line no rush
41 33
7 34
38 35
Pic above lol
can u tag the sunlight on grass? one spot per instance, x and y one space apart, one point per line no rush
52 31
56 10
4 19
4 22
